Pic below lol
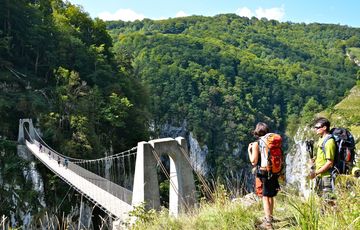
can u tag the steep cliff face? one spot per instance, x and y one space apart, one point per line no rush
21 186
198 153
297 167
31 174
236 180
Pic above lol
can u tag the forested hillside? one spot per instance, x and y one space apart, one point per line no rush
57 67
223 74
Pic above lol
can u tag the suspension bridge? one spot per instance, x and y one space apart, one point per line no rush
115 183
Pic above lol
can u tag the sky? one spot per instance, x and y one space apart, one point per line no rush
343 12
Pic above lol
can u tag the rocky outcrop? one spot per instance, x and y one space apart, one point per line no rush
353 59
297 159
198 153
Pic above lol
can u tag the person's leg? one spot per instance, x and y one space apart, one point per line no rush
267 224
271 204
267 206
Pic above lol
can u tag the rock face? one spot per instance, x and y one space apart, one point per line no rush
31 174
197 153
297 159
354 59
247 200
22 214
236 181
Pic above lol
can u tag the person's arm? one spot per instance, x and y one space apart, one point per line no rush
253 151
325 167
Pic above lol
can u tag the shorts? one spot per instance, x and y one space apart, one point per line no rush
265 186
325 187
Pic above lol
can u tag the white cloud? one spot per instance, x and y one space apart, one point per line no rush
181 14
276 13
244 12
121 14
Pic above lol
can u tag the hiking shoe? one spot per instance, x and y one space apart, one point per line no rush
272 219
267 224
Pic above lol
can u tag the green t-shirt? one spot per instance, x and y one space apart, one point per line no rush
321 158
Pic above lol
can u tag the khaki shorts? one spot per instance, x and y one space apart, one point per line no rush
325 187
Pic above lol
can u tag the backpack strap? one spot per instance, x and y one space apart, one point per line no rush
328 137
267 156
335 168
265 146
259 158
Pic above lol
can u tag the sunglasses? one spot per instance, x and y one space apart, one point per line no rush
318 127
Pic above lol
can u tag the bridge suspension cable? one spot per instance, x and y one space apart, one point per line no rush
206 189
128 152
168 177
107 167
54 151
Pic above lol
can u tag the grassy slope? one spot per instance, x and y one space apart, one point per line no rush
347 114
291 211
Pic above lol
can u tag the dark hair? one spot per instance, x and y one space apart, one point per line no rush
260 130
323 122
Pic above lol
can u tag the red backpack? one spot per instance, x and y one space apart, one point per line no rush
270 146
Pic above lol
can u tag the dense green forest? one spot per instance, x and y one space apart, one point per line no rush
93 87
223 74
57 67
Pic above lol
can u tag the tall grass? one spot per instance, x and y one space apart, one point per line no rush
220 214
291 212
306 214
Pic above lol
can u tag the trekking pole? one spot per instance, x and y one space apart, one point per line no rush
310 148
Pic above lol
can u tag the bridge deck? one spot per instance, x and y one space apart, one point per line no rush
94 193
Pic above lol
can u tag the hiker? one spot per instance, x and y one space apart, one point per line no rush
66 163
40 147
58 160
266 183
324 159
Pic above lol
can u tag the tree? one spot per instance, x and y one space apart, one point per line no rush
310 108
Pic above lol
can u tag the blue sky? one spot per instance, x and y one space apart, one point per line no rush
343 12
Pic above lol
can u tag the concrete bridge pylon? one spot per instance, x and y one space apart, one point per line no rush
182 186
21 135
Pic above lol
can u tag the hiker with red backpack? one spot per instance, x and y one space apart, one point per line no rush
266 156
324 159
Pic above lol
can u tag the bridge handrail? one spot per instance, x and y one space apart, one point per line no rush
80 160
112 188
